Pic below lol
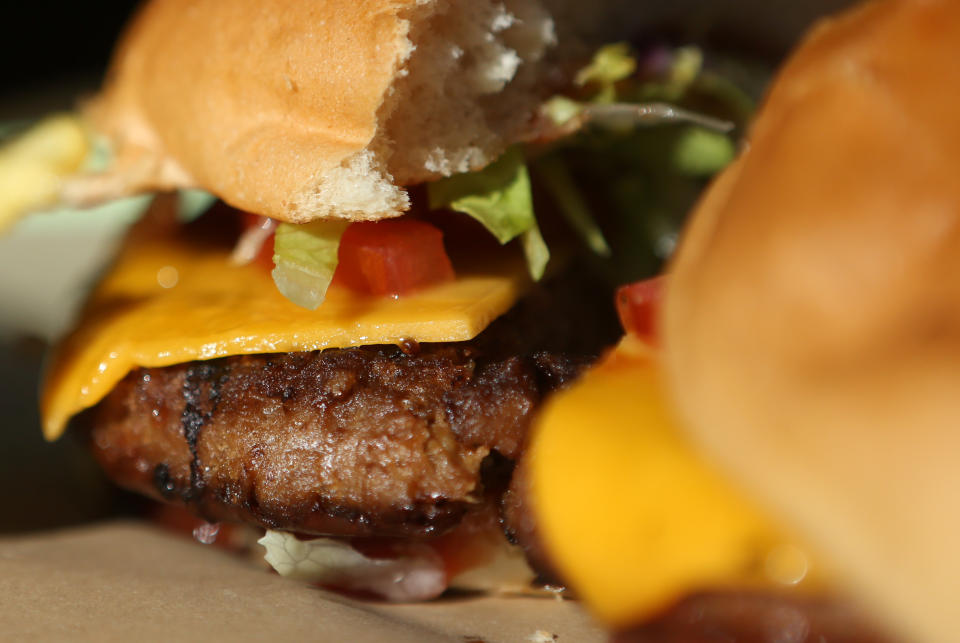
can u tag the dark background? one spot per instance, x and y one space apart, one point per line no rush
50 52
51 49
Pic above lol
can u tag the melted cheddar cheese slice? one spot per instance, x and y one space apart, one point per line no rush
630 515
168 301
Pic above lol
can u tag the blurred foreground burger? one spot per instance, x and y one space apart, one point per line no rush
793 424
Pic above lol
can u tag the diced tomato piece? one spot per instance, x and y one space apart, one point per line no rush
392 257
249 219
264 257
637 306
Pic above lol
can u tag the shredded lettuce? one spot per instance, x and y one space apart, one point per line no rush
499 197
305 258
416 575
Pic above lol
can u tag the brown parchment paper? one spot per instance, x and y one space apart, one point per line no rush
128 581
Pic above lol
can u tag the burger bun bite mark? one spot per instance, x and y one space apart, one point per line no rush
310 116
810 328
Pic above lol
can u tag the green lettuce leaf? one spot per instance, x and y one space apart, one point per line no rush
500 198
305 257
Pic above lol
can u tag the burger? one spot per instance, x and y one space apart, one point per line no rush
783 429
340 349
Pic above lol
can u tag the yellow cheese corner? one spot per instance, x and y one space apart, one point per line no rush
167 301
630 515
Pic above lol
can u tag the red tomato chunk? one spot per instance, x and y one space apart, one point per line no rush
392 257
637 306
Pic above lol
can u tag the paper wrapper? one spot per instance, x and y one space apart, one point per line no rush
123 581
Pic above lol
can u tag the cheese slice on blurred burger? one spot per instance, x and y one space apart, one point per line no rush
631 515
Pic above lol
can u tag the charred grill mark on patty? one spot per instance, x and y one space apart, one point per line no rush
201 393
368 441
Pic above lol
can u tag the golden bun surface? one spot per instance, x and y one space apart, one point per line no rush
812 323
304 109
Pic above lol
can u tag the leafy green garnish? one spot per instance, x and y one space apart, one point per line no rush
701 152
536 251
305 257
614 99
610 64
684 70
639 180
686 82
558 181
500 198
561 109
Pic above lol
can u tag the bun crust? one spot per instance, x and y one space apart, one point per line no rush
812 324
304 109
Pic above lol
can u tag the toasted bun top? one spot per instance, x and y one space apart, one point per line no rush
812 324
302 109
